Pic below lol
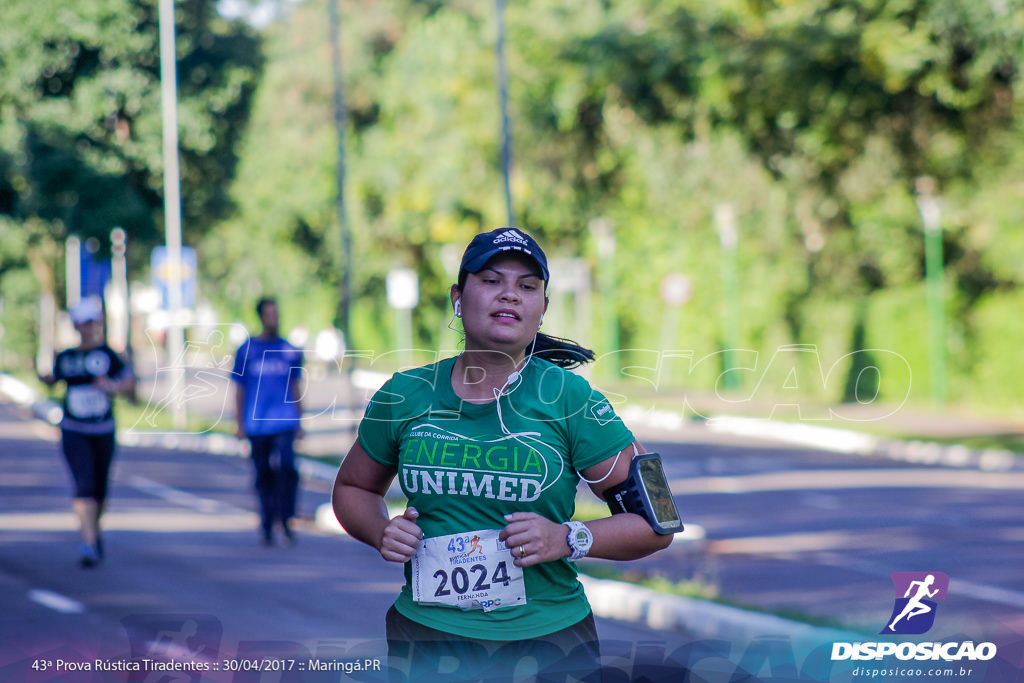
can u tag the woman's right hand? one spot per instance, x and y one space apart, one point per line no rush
401 537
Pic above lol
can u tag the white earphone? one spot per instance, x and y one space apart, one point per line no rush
458 308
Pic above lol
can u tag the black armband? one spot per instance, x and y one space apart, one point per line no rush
646 493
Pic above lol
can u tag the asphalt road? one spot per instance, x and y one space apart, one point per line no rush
820 533
810 532
186 578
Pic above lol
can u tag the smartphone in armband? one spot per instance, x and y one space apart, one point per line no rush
646 493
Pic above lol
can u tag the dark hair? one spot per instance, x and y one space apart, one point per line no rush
564 353
265 301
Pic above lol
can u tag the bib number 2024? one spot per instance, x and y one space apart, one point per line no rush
471 570
461 579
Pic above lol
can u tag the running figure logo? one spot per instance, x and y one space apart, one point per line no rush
476 547
914 612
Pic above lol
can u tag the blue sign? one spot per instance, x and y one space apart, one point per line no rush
93 275
159 263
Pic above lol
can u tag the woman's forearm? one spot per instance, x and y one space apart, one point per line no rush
624 537
124 384
362 513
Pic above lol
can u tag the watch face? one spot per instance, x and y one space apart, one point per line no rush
580 539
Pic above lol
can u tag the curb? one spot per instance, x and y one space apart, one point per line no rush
42 408
216 443
835 440
858 443
701 618
213 443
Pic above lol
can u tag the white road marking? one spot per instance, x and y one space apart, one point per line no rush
56 601
978 591
182 498
819 480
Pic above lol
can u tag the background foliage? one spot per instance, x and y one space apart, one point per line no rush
80 134
813 118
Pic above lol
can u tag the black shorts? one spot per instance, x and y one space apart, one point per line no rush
418 653
89 457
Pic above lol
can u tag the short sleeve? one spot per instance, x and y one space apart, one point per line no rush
58 366
238 368
596 431
297 357
378 430
117 365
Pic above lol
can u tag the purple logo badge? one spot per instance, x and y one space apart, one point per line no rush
916 593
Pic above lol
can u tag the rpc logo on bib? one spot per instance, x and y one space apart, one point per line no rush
915 606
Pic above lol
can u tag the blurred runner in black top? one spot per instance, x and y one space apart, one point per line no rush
93 373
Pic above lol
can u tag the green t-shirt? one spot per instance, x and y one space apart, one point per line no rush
463 473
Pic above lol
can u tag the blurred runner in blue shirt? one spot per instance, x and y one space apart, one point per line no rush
268 400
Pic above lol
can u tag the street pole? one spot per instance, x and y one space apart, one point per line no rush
728 236
340 125
47 332
172 210
117 293
119 302
403 294
931 216
675 291
506 123
73 270
451 255
603 231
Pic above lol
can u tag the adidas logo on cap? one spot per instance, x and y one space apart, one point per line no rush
511 236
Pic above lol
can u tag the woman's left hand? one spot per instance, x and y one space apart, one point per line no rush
542 539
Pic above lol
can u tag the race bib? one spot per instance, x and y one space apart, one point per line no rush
87 402
471 570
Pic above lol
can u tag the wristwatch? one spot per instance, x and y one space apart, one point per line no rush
580 540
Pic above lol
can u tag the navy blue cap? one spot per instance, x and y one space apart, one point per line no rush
486 245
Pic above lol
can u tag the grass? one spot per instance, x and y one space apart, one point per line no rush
1013 442
1008 442
141 416
672 402
694 588
589 508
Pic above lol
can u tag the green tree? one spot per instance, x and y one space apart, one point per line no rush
80 121
840 101
423 150
813 119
